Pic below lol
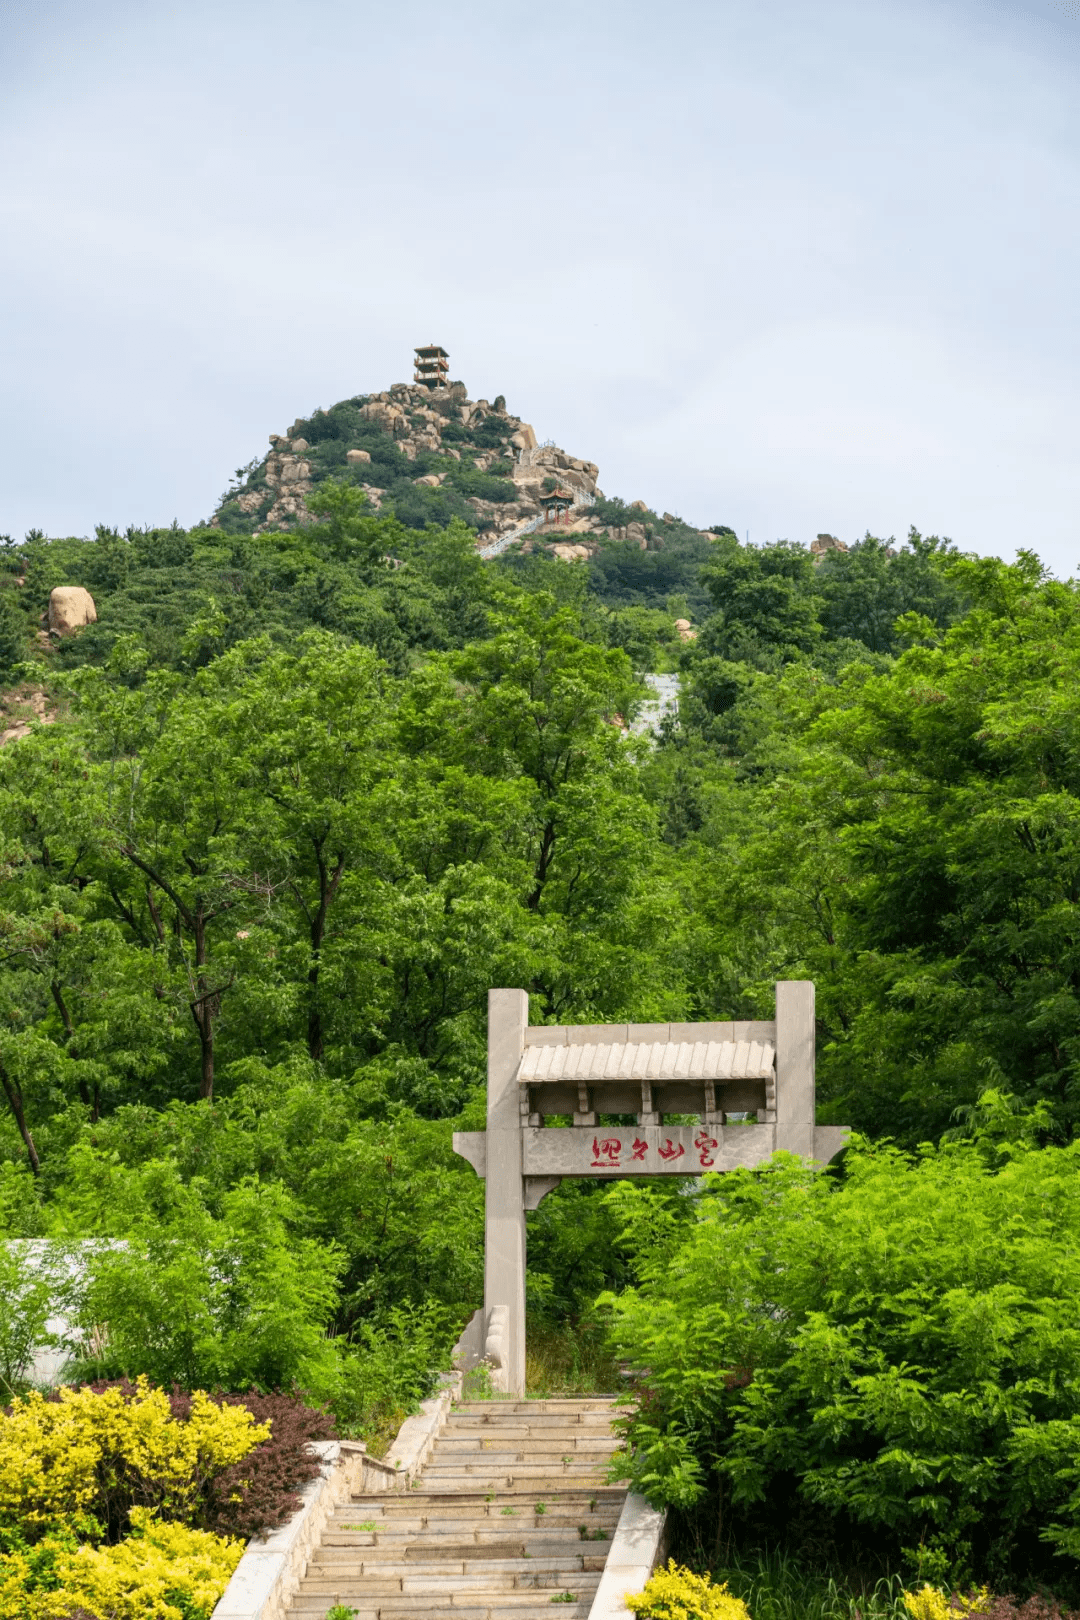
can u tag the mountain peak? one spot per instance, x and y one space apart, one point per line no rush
428 453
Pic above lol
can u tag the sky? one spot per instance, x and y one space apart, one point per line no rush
794 267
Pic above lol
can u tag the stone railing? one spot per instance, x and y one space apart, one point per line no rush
638 1546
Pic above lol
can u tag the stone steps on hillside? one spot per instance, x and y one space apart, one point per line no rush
511 1519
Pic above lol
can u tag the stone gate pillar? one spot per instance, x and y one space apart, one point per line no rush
504 1198
795 1066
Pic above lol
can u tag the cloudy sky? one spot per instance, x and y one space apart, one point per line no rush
793 266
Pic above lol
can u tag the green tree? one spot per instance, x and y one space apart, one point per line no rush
308 739
353 533
867 588
12 635
202 1301
766 602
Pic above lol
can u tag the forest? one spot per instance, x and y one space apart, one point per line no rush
306 795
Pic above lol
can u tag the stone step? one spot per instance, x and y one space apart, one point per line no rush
455 1591
473 1507
496 1437
460 1605
450 1484
543 1423
427 1549
590 1403
507 1525
547 1475
590 1423
416 1583
477 1510
347 1532
554 1459
533 1549
555 1521
393 1504
544 1489
481 1533
542 1445
495 1461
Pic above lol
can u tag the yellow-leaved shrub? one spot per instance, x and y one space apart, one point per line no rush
930 1603
675 1593
160 1571
58 1457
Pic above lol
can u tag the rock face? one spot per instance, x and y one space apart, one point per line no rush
388 416
289 479
18 712
354 456
825 543
71 608
548 461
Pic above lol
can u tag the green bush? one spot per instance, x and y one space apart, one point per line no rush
231 1302
34 1283
390 1365
481 485
892 1357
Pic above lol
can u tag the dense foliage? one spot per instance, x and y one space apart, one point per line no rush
84 1459
309 794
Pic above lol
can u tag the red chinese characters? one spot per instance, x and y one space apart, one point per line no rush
704 1143
670 1151
640 1148
607 1151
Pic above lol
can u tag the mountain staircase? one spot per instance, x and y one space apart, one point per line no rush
511 1518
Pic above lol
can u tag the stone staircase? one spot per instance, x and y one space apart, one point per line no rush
510 1519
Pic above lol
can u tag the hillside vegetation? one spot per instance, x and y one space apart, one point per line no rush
310 791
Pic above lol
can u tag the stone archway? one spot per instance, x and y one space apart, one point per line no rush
713 1070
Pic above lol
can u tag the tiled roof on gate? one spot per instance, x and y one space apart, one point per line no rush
649 1060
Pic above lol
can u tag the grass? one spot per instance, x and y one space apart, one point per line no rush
563 1360
775 1587
381 1429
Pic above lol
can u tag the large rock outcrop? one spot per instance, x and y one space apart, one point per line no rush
19 710
443 422
71 608
538 462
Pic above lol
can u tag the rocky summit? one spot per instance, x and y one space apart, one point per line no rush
429 454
